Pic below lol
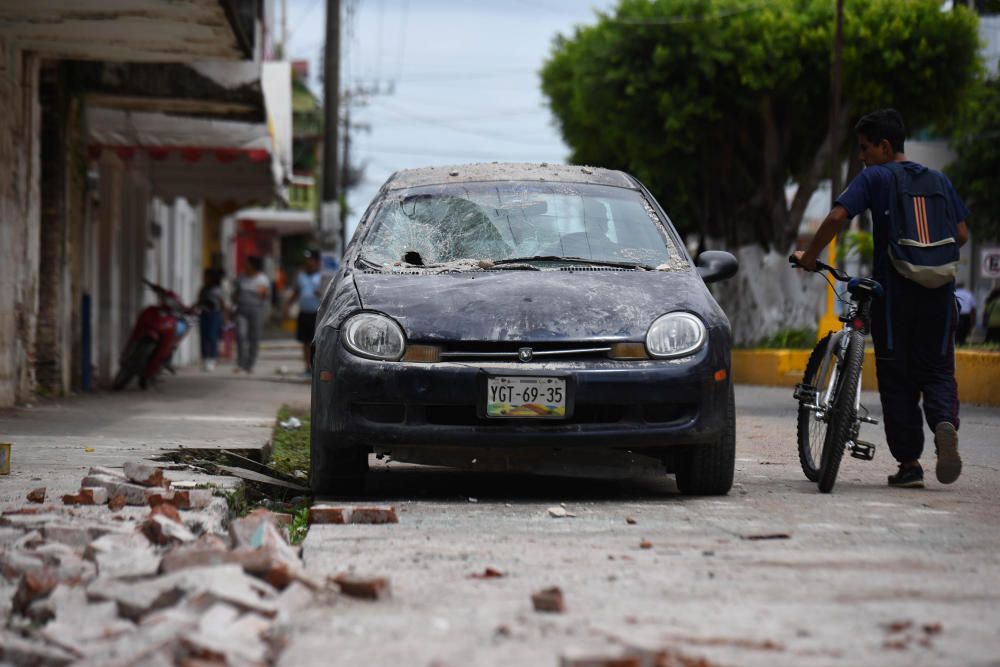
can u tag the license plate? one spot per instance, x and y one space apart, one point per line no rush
526 397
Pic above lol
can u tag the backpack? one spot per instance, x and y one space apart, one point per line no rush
923 231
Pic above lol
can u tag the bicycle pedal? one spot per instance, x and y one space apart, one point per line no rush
805 392
863 450
868 420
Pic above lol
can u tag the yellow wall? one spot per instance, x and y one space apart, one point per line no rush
977 373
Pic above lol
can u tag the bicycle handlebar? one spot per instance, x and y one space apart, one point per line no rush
820 266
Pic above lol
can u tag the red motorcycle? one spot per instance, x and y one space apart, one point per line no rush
155 336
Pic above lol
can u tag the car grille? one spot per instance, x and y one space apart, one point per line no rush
478 350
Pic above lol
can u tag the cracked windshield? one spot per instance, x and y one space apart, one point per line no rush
479 224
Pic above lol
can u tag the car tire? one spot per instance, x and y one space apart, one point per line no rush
333 470
707 470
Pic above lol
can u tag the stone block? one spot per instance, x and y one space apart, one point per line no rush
549 600
16 650
123 555
135 494
192 499
161 529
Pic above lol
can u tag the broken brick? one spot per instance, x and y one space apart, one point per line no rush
645 544
166 509
630 520
160 529
326 514
549 600
135 494
116 503
606 661
145 474
359 587
193 499
87 496
488 573
157 496
37 495
33 586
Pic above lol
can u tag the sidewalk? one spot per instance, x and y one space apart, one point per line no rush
55 442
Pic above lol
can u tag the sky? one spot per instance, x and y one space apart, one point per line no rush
447 81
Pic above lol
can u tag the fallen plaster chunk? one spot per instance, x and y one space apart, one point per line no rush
145 474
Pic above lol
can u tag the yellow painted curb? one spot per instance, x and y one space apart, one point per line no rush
977 373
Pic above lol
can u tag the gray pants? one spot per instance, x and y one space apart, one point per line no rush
249 320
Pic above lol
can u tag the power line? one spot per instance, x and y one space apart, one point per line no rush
483 156
400 113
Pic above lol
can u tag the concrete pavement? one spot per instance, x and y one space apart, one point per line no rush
55 442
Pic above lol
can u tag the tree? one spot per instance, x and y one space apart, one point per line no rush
975 171
717 105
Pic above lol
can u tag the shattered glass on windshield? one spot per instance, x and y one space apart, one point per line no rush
477 225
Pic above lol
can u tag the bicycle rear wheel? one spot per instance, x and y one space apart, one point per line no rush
811 427
843 412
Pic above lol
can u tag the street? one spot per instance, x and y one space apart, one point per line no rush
772 574
867 575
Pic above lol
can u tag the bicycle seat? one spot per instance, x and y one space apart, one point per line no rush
864 288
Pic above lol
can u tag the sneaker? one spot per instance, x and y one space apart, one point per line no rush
949 463
908 477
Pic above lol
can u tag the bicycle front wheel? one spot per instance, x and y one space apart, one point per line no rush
843 412
812 423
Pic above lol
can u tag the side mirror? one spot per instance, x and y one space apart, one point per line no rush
716 265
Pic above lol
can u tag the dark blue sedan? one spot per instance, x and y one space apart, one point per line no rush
539 317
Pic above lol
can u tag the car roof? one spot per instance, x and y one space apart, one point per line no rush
506 171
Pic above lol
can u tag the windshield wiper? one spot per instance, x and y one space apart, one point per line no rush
579 260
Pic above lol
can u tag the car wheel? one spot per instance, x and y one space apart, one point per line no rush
333 470
707 470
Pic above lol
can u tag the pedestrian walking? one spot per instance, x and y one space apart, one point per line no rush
991 317
212 302
307 294
966 313
252 306
917 232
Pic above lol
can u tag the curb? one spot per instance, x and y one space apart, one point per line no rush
977 373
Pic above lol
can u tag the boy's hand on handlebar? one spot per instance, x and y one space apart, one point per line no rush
798 259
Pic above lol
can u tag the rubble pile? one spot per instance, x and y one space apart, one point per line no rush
129 571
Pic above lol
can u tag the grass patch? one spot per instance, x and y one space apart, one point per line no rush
290 447
299 527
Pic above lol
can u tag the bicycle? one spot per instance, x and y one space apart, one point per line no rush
829 395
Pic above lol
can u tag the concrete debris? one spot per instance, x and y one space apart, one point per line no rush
291 424
76 588
37 495
549 600
145 474
359 587
645 544
560 513
325 514
630 520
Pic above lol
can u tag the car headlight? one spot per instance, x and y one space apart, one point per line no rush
675 335
374 336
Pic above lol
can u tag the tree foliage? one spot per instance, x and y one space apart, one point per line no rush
975 172
717 104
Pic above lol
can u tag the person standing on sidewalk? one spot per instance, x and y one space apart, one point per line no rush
252 305
307 293
991 317
913 326
211 301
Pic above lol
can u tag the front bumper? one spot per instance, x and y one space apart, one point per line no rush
619 404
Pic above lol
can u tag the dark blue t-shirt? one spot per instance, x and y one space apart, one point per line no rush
871 190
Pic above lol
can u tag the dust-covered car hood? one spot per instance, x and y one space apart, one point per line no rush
534 305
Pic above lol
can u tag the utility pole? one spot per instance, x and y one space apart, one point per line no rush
284 29
330 218
345 163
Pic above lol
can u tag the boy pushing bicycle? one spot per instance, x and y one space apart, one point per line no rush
918 223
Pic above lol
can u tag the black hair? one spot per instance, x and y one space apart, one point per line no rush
883 124
256 262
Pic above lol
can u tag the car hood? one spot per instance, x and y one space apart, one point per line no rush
534 305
